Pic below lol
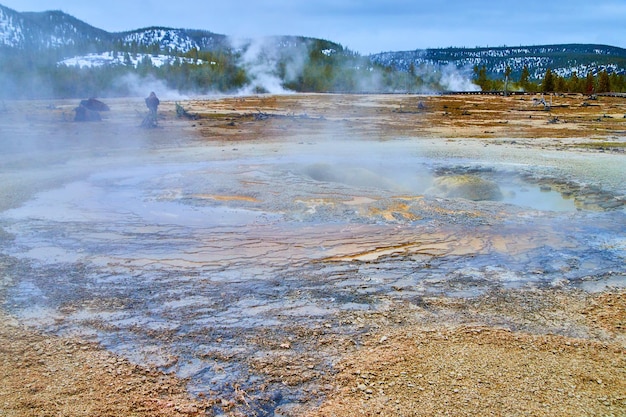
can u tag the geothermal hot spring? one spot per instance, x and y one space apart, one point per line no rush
216 261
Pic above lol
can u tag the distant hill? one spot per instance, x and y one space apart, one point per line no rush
60 31
56 30
563 60
71 37
44 54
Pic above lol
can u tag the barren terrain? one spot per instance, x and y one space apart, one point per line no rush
540 350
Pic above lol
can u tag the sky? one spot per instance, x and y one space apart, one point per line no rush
366 26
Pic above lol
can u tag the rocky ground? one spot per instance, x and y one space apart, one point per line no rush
470 368
548 352
50 376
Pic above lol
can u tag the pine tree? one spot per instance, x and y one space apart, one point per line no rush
507 74
547 86
573 84
560 85
617 83
590 84
481 78
524 79
604 84
127 61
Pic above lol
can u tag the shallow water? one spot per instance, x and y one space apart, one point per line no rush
211 266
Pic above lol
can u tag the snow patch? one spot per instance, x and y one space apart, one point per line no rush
125 59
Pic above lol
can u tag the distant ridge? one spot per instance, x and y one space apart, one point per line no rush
562 59
71 37
61 31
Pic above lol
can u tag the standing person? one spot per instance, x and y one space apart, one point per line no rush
152 102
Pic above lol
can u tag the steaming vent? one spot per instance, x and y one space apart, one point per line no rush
469 187
353 176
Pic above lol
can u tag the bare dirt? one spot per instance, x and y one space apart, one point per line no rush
50 376
571 120
546 352
472 368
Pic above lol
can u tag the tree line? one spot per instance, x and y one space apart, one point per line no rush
36 74
601 82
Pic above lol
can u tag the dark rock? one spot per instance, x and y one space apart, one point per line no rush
94 105
83 114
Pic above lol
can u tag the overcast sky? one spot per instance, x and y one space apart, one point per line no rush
366 26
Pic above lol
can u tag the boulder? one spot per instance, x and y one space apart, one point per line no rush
83 114
94 105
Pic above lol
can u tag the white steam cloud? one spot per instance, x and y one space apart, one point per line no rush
135 86
259 58
454 79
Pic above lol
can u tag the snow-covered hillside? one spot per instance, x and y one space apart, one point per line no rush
563 60
11 28
167 39
114 58
79 44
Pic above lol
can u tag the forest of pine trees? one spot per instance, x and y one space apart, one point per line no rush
37 75
603 82
201 72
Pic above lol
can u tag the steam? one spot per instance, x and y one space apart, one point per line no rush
259 58
18 86
135 86
455 79
270 64
448 77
